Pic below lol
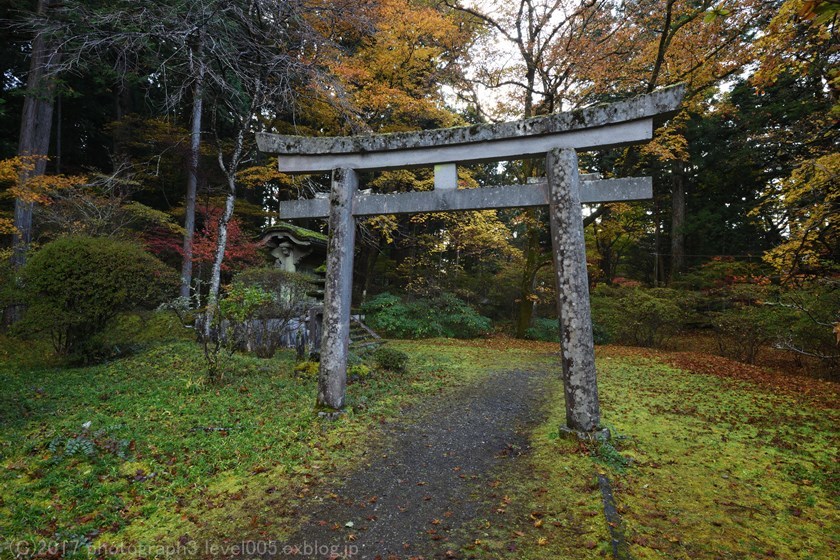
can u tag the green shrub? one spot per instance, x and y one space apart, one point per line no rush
546 330
131 331
600 335
721 272
444 315
811 331
389 315
307 370
740 332
639 317
162 326
283 297
288 286
457 318
74 286
390 359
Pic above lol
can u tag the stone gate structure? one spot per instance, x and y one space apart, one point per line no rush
556 137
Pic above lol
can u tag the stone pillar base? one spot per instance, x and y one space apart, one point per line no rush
601 434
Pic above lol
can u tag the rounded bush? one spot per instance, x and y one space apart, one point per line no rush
390 359
637 316
75 285
546 330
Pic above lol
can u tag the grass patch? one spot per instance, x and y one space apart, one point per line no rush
546 504
707 466
141 451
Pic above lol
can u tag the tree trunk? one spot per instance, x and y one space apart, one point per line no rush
677 222
221 245
35 127
58 118
192 183
529 274
532 234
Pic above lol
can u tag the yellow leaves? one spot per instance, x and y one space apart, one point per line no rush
15 168
402 180
799 34
395 74
20 173
260 175
385 225
809 198
7 227
668 144
12 168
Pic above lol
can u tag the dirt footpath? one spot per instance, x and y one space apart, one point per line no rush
424 482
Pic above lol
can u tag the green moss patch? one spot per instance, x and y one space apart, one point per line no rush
167 458
720 468
143 451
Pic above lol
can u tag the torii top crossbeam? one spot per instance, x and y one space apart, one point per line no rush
599 126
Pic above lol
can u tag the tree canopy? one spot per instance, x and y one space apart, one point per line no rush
154 107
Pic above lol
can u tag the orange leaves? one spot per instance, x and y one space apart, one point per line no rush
24 181
396 72
39 188
26 184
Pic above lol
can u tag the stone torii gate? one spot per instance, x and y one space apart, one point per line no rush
557 137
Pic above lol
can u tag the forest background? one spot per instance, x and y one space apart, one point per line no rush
134 121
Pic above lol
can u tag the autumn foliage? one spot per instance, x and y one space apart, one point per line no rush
240 251
16 174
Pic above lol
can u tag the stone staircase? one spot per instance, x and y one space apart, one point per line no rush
362 336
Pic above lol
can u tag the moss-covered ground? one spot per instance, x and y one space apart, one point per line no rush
735 462
704 465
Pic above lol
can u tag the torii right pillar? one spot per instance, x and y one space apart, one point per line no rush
576 341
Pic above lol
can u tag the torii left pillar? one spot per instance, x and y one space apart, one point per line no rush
338 291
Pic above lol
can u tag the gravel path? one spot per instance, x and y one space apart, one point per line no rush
426 479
